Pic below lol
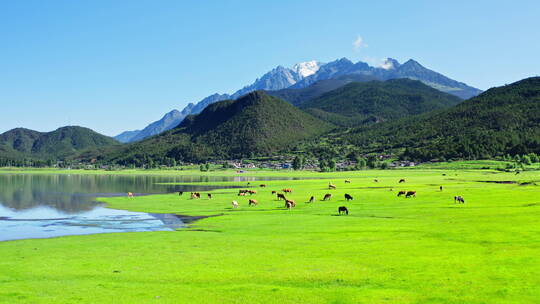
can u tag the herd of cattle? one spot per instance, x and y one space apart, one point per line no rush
289 203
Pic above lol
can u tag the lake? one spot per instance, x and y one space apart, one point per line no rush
51 205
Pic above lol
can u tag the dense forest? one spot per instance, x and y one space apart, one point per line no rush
500 121
362 103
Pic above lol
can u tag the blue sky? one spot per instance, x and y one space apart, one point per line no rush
118 65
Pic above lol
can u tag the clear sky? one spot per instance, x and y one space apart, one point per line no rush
119 65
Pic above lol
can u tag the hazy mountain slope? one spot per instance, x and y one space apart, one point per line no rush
126 136
297 96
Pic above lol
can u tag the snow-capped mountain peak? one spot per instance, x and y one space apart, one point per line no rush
307 68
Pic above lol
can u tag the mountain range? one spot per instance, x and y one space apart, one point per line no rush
304 75
399 117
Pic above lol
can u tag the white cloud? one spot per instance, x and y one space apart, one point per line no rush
359 43
387 65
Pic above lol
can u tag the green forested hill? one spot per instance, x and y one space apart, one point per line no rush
361 103
502 120
255 124
63 142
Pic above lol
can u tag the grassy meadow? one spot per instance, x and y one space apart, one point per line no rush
387 250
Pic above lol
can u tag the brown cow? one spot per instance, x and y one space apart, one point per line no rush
327 197
251 192
289 204
242 194
287 190
262 185
253 202
331 186
281 196
129 194
195 195
274 192
410 193
402 192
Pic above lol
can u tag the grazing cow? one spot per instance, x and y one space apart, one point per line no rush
440 188
274 192
253 202
410 193
180 193
209 196
343 209
290 204
287 190
129 194
242 194
402 180
331 186
234 204
242 191
327 197
262 185
348 197
195 195
311 199
347 181
459 199
251 192
402 192
376 180
281 196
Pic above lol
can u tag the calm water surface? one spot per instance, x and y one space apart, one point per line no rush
41 206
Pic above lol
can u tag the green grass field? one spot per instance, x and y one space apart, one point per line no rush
387 250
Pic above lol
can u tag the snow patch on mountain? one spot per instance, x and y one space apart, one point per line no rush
307 68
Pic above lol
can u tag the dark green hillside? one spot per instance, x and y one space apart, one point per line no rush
297 96
357 104
61 143
255 124
503 120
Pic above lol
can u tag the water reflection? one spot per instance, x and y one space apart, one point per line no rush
41 205
76 193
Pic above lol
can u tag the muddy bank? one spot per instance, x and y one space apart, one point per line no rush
499 182
186 219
